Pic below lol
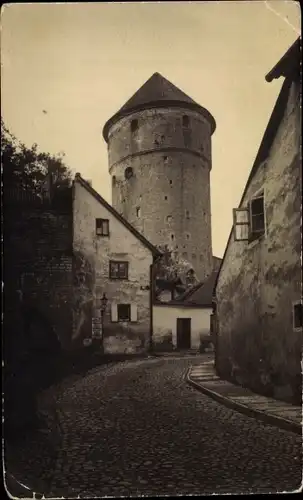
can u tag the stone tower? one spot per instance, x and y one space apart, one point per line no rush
159 149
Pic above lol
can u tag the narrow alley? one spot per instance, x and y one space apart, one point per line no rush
137 428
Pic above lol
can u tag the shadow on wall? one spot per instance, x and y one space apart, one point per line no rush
248 361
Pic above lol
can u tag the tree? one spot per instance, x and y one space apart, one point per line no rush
28 169
174 269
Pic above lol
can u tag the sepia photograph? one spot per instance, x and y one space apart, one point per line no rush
151 163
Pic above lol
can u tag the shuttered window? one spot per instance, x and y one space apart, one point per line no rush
124 313
249 223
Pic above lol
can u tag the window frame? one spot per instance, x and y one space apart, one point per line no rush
256 235
119 263
128 320
102 221
252 236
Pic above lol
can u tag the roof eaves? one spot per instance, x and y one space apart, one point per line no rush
157 104
287 63
116 214
266 143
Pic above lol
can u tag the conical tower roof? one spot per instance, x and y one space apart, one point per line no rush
157 91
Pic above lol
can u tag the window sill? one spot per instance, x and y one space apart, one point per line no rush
118 279
252 242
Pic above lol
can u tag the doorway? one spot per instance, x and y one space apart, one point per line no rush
183 333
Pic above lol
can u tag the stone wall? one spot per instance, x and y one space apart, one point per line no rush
161 180
259 281
38 261
95 252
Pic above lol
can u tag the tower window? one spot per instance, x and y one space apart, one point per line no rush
185 121
138 211
165 158
171 183
128 173
187 236
169 218
172 236
165 197
187 214
114 180
134 125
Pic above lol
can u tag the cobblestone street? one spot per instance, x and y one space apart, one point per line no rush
137 428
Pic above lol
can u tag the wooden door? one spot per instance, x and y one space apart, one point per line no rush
183 333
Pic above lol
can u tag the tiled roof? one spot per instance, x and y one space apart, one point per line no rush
157 91
201 294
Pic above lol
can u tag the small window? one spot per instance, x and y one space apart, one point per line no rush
169 218
138 211
114 180
123 312
297 315
171 182
128 173
102 227
185 121
165 197
172 237
187 214
118 270
187 236
165 158
134 125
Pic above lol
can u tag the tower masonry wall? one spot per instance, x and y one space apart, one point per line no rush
160 162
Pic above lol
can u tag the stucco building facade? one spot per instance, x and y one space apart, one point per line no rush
159 150
111 258
259 286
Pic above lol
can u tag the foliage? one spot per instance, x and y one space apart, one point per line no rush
172 268
27 168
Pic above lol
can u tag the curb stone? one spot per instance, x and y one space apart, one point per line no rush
282 423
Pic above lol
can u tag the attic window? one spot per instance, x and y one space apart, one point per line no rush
102 227
185 121
128 173
134 126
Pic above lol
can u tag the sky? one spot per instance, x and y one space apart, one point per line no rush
81 62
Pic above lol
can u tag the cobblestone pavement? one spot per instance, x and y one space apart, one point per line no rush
136 428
